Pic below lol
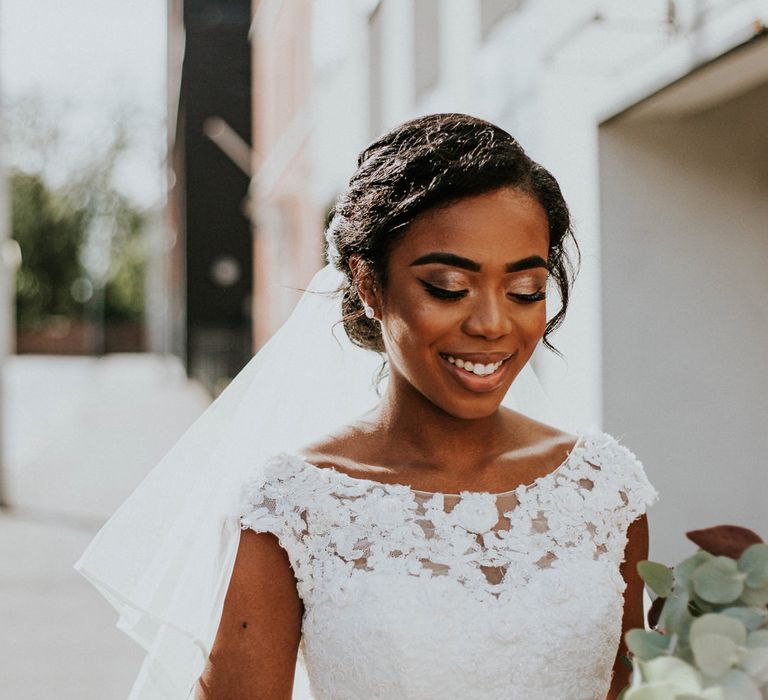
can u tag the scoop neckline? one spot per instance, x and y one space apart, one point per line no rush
580 436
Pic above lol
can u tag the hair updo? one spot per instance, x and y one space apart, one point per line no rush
434 160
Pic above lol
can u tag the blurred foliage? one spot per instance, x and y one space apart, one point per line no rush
82 243
125 292
50 234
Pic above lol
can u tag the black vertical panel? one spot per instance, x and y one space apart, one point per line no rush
216 83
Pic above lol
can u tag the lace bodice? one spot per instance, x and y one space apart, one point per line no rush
413 594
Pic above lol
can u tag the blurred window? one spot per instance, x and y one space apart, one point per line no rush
492 11
426 44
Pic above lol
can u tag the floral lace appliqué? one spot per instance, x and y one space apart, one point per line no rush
395 574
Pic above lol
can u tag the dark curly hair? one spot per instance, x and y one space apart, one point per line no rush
426 162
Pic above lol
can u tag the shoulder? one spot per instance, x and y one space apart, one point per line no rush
275 473
624 481
609 451
531 438
342 450
274 487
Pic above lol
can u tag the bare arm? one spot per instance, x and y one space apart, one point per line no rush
254 653
635 551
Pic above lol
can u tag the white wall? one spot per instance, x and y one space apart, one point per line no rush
685 319
550 74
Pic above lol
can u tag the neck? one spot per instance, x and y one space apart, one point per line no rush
409 423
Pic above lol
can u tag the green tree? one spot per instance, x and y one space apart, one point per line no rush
124 292
50 233
82 243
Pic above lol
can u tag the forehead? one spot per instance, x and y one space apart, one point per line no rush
499 226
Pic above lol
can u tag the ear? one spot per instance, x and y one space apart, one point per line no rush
363 278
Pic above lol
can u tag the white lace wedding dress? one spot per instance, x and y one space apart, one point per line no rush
412 594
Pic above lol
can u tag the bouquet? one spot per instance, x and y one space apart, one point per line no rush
709 622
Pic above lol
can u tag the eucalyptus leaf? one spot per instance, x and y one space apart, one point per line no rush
684 570
718 580
758 638
667 669
645 644
675 616
712 693
754 561
698 606
757 597
716 623
658 577
714 653
754 661
737 685
751 617
656 691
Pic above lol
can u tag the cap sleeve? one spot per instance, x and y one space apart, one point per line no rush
625 487
275 499
268 499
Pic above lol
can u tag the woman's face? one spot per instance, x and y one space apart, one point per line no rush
464 307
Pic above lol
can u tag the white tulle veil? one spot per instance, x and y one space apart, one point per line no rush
165 558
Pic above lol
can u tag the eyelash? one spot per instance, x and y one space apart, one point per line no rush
441 293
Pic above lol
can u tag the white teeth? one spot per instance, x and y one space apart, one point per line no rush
475 367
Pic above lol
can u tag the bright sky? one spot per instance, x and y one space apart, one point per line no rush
85 57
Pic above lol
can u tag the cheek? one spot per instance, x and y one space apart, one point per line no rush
534 324
411 327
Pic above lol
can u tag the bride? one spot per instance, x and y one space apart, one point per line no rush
445 543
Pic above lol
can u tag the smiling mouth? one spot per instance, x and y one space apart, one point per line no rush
478 369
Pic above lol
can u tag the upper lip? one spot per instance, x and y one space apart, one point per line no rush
481 357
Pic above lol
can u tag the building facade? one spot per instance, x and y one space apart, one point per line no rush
649 115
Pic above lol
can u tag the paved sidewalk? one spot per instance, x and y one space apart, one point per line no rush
80 433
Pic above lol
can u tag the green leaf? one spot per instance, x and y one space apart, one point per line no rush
739 686
658 577
751 617
754 561
684 570
675 616
756 597
657 691
646 645
758 638
718 580
754 660
667 669
717 623
714 653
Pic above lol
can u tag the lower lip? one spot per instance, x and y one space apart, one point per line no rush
476 383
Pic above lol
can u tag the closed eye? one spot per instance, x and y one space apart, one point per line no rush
441 293
529 298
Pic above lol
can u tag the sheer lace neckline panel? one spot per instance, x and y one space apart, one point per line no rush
332 471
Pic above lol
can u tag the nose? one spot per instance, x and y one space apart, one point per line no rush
488 316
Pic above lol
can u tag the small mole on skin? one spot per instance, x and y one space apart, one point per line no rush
245 624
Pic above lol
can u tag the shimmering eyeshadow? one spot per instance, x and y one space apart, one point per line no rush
442 293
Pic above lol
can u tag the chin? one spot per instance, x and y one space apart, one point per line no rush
471 409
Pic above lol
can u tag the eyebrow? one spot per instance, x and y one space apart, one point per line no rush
467 264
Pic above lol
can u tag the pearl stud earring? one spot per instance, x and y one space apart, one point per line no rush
369 312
